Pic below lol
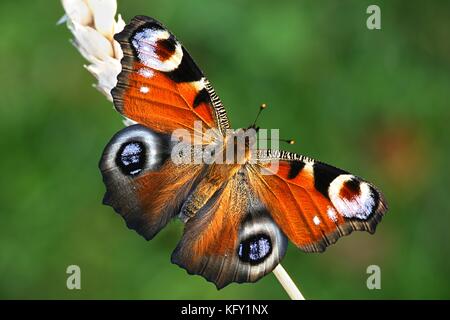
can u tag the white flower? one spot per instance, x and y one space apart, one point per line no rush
93 25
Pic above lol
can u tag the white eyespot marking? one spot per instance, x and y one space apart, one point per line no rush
144 90
308 168
146 72
199 85
360 205
316 220
331 213
131 149
146 42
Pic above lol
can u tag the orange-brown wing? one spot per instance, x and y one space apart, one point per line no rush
160 86
313 203
232 238
142 183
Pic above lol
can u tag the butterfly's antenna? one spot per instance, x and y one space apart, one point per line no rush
288 141
261 108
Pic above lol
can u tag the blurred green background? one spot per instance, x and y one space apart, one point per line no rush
373 102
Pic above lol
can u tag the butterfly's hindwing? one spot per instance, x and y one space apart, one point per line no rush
231 239
142 183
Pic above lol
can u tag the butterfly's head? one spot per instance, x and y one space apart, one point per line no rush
240 142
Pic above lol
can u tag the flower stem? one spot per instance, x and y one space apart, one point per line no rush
287 283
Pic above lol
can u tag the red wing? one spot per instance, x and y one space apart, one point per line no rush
314 203
232 238
160 86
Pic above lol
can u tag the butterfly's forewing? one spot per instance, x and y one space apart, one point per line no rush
231 239
314 203
160 86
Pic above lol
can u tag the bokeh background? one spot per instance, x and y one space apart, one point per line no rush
373 102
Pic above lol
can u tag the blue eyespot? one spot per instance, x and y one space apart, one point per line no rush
131 158
255 249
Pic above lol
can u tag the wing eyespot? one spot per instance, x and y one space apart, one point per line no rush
131 158
352 197
255 249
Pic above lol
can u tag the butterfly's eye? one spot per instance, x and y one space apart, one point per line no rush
255 249
131 157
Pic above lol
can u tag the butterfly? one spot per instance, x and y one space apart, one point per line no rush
238 217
